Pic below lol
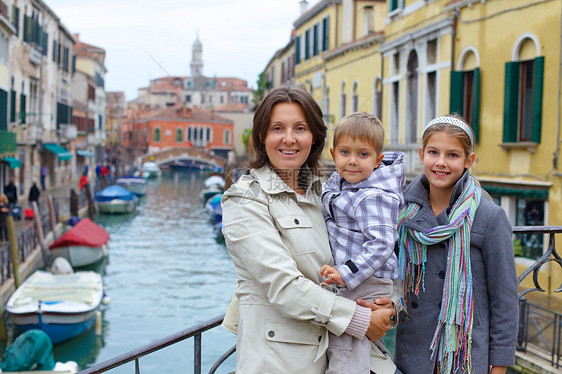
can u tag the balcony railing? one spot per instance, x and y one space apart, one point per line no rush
529 330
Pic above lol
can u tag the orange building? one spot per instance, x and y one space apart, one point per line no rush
160 129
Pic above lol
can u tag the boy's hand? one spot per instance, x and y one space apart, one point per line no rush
332 275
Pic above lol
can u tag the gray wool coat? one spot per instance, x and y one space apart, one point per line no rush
494 332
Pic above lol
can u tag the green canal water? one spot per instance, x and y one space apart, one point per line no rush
165 271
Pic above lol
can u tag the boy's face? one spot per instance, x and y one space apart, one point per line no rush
355 159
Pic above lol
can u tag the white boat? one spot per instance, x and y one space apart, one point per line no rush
116 199
62 305
152 168
136 185
82 245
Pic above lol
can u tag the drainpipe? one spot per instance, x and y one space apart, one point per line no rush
555 159
453 36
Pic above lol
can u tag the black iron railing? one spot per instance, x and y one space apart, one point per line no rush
525 316
192 332
540 328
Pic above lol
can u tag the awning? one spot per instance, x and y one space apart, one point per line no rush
14 162
63 154
84 153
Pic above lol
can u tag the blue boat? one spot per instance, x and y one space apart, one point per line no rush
116 199
61 305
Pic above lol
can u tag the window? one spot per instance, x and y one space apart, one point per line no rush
16 18
187 98
529 213
523 101
157 135
3 110
4 48
179 135
326 33
343 100
465 97
227 137
307 44
209 136
298 50
188 136
315 40
355 100
394 5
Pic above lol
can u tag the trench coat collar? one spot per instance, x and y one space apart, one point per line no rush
418 192
271 183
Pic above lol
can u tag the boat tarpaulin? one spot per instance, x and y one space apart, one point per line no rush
85 233
114 192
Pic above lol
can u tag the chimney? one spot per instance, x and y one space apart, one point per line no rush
304 6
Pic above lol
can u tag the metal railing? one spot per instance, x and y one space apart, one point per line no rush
524 340
192 332
540 328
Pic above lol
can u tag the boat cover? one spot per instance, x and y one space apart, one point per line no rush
84 233
32 350
115 192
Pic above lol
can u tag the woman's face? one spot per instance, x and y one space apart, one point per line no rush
288 140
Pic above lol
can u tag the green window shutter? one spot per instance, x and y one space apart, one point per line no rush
476 105
456 96
12 106
22 108
537 100
3 110
393 5
511 102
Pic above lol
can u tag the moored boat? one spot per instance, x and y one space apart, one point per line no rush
82 245
131 183
115 199
152 168
61 305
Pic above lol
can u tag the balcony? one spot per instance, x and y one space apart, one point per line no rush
34 133
7 142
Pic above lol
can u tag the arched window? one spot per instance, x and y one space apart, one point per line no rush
343 99
209 137
179 135
465 89
188 134
354 99
157 134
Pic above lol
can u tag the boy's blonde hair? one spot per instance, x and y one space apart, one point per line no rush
363 126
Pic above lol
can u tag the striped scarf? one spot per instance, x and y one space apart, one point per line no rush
453 335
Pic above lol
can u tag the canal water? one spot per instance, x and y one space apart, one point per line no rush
165 271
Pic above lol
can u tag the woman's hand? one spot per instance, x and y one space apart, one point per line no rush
380 303
379 324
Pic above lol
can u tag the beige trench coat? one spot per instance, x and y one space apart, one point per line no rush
278 242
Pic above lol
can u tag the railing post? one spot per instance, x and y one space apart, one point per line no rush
521 336
197 354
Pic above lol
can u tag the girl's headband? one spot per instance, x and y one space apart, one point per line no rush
451 121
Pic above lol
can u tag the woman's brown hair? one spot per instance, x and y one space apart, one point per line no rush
313 116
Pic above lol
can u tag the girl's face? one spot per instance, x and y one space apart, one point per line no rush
288 140
444 161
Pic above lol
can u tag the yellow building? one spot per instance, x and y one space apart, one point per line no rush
337 57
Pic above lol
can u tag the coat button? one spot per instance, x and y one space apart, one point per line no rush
414 304
442 274
296 221
271 334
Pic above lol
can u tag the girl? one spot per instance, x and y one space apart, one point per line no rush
456 264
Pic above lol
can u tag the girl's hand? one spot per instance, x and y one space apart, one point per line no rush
379 324
332 275
380 303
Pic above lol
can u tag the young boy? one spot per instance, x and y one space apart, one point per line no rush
361 201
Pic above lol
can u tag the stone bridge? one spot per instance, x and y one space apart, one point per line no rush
198 155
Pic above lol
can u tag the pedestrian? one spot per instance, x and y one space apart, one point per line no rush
11 192
83 181
98 177
456 264
43 176
4 212
34 194
361 201
105 175
275 233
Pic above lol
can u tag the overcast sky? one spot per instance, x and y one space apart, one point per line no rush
145 39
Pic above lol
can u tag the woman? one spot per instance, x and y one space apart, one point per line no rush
277 238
